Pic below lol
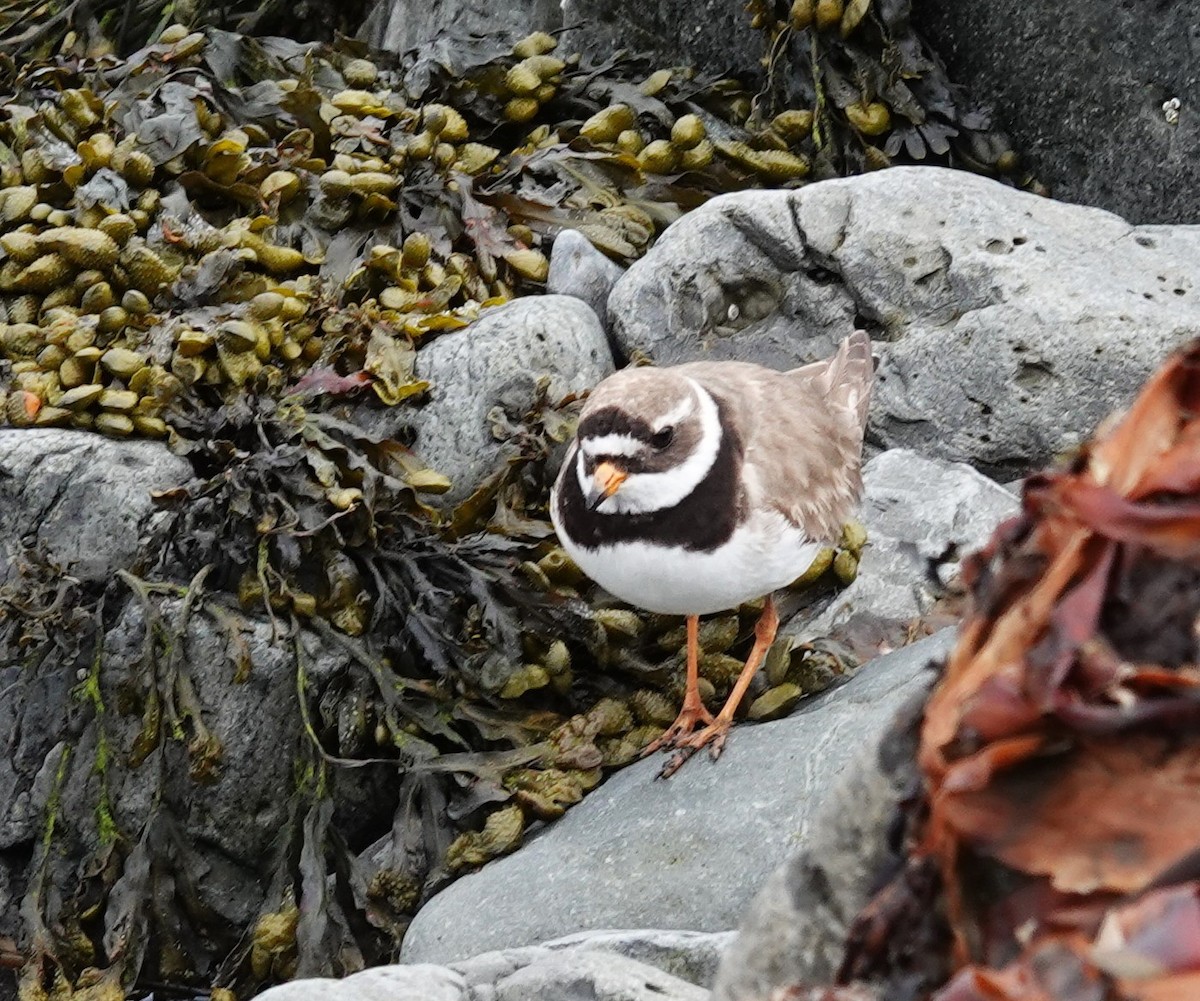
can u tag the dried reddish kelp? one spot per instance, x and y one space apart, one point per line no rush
1061 750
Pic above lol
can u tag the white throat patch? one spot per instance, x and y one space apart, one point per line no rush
644 492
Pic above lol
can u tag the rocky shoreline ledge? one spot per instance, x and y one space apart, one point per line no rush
1006 326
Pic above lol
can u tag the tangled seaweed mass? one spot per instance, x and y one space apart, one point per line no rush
237 244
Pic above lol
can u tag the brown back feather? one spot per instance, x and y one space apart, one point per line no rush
802 431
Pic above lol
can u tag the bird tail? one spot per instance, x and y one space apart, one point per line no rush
846 378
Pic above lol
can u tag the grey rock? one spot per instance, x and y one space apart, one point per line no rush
645 853
689 955
602 976
1007 325
795 930
408 24
496 362
578 269
596 967
81 499
382 983
731 280
922 516
223 837
712 35
1080 88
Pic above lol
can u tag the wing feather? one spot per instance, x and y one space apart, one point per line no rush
802 432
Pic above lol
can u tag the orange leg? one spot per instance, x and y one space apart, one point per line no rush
713 736
693 713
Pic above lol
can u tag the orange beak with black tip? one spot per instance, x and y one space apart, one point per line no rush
606 481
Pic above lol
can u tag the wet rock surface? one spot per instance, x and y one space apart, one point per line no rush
794 931
922 516
577 268
226 720
83 500
1081 89
711 33
1006 325
656 854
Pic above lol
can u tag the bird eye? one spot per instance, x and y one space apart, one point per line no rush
663 437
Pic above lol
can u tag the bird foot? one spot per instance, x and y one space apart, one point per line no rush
691 716
712 736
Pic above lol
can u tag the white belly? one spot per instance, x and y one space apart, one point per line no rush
762 556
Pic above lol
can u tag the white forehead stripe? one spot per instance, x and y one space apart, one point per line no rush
611 444
682 411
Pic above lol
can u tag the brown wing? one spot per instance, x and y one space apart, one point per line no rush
802 432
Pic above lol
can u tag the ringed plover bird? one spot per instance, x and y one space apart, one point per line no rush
692 489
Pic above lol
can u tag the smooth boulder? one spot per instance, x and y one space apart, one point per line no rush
1007 325
498 362
81 501
604 966
922 516
641 852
